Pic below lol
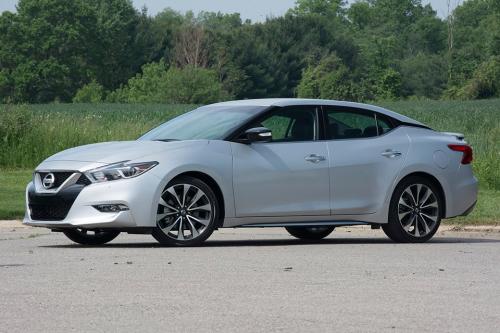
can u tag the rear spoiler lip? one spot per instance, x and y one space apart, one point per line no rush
459 136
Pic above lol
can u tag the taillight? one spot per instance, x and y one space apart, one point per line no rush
466 150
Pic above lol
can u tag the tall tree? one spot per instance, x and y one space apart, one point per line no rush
53 41
115 56
191 45
319 7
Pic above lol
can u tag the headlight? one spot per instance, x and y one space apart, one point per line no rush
121 170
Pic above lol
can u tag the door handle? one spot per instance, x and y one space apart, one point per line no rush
391 153
313 158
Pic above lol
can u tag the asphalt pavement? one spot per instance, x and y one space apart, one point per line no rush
250 280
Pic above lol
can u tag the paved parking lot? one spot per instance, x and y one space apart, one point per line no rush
256 280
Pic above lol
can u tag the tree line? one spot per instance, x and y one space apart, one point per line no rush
106 50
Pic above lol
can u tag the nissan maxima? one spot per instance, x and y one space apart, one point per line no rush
306 165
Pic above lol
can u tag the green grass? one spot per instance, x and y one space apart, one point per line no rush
12 193
31 133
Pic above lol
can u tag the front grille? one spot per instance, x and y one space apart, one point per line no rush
60 177
83 180
55 206
49 212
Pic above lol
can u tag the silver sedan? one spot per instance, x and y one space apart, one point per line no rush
307 165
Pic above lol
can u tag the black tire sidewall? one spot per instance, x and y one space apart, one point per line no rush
308 234
393 229
98 239
163 239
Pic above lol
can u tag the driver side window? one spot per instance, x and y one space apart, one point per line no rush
292 124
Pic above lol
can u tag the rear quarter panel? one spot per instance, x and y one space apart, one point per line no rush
429 153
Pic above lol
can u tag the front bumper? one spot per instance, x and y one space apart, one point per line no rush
138 194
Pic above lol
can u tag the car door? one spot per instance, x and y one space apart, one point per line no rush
288 175
367 153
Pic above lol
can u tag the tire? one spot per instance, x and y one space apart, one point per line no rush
414 212
187 213
87 237
310 233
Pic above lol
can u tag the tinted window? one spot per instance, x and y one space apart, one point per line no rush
291 124
350 124
384 124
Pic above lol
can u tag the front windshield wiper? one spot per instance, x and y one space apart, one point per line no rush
166 140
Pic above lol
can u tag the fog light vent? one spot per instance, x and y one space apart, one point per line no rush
111 208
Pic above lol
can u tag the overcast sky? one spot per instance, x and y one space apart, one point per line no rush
256 10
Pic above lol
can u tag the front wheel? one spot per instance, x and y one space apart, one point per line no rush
415 211
91 237
187 213
310 233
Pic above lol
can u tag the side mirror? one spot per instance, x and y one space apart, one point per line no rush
257 134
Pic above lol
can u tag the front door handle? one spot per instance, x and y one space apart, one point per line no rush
313 158
391 153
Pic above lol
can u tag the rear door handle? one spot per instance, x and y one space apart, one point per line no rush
313 158
391 153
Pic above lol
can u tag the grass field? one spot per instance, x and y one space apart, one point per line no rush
31 133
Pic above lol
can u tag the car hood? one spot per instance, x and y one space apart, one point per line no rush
112 152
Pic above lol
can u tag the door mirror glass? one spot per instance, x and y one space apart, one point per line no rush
258 134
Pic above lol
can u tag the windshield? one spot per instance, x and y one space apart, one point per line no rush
205 123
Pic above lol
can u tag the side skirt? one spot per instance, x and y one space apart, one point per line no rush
132 231
303 224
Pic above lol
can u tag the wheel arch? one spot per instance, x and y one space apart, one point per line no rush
432 179
210 181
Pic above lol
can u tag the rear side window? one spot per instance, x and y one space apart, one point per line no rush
384 124
348 123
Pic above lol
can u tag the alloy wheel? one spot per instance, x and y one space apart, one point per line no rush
184 212
418 210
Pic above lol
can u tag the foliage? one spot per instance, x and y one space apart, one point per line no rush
485 81
159 84
330 79
389 85
122 44
44 49
318 7
476 38
30 133
89 93
423 75
191 85
49 49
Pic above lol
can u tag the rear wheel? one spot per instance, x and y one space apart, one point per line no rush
310 233
415 211
187 213
91 237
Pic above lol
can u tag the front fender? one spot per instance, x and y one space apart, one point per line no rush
215 160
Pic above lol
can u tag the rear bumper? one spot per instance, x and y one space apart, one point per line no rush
462 197
470 209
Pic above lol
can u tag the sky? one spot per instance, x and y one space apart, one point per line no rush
256 10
